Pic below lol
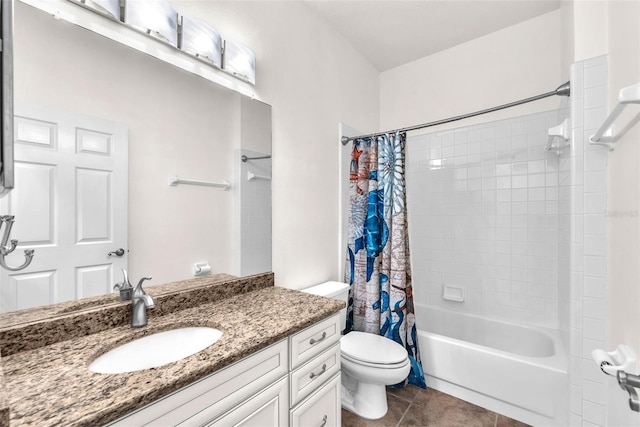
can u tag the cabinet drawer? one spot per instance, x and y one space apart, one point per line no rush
310 342
216 393
314 373
321 409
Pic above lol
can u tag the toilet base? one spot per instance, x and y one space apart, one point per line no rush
367 401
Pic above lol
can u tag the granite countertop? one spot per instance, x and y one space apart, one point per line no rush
51 384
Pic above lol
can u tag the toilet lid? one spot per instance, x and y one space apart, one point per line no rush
372 348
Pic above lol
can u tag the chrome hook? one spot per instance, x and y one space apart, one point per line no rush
7 221
4 248
28 253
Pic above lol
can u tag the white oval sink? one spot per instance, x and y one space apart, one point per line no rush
155 350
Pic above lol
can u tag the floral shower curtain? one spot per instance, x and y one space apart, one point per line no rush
378 270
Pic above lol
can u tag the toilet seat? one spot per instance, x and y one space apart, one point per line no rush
373 350
374 365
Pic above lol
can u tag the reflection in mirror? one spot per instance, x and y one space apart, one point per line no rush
91 107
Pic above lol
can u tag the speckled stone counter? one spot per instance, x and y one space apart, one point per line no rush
51 384
29 329
38 314
4 401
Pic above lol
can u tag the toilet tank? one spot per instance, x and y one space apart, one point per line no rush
337 290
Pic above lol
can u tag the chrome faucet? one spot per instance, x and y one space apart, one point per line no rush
140 301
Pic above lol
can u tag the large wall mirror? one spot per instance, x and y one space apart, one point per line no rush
100 128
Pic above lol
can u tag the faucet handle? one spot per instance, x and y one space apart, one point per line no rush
142 280
125 288
149 302
125 281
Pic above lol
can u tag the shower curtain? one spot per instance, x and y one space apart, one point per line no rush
378 270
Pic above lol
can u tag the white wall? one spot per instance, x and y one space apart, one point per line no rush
313 79
590 29
511 64
568 38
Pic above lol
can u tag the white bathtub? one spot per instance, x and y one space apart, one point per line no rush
515 370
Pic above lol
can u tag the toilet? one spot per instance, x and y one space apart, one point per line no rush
369 362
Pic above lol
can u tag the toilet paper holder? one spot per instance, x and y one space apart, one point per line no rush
618 363
201 268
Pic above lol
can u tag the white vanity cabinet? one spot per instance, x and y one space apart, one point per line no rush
321 409
295 382
315 375
233 392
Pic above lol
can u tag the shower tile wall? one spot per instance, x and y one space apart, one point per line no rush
584 216
483 217
252 234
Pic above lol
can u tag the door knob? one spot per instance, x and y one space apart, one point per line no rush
118 252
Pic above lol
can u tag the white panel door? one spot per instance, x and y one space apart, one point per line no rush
70 204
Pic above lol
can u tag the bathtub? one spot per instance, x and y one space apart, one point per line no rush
518 371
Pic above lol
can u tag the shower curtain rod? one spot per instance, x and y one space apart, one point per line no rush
562 90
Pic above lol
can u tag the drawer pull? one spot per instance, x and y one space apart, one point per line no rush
324 421
313 375
314 341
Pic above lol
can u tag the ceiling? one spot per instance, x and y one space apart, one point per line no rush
390 33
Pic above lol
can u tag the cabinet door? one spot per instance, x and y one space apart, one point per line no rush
268 408
321 409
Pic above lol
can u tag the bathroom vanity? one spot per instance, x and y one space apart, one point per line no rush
256 389
277 362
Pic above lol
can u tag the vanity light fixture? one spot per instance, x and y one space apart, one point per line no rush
200 40
157 18
240 61
109 7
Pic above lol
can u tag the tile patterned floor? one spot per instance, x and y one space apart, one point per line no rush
412 406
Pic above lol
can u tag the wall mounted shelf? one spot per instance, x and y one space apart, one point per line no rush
253 177
604 135
558 133
174 181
